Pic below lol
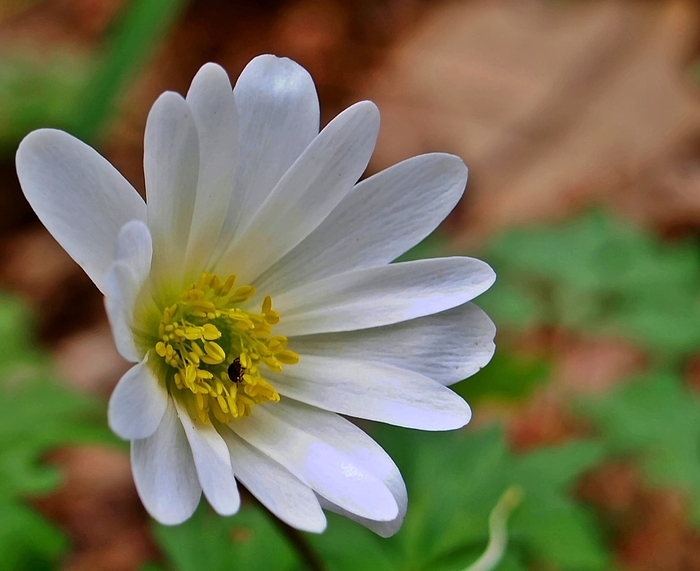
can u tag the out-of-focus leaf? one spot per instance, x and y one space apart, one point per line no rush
76 91
209 542
657 420
511 305
433 246
507 377
447 524
598 275
347 545
36 414
454 482
138 31
553 526
28 542
39 94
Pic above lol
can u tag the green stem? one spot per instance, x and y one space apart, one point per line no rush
135 36
498 532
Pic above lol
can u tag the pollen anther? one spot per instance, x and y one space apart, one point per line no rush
203 333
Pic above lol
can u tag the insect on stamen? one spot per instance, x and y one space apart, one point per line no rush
236 371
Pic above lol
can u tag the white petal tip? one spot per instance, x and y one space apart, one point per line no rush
32 151
271 60
211 68
209 77
170 519
484 278
227 508
459 415
41 136
317 529
367 108
317 525
385 511
137 404
451 412
280 73
116 427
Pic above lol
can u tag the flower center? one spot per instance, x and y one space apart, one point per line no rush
213 350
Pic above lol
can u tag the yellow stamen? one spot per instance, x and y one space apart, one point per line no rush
214 353
287 357
203 333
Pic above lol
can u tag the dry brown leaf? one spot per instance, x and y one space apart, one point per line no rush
98 508
552 104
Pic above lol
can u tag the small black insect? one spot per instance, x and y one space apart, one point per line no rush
235 371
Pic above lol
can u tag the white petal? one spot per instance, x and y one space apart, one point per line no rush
374 391
213 107
379 220
124 282
80 198
279 117
381 528
118 285
135 247
306 194
137 404
164 471
381 296
349 439
171 168
446 347
213 464
319 464
274 486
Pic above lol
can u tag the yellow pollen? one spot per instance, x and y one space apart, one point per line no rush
213 350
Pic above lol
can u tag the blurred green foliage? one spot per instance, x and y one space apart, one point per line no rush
602 276
509 377
654 420
34 94
208 541
134 37
36 415
454 480
433 246
78 91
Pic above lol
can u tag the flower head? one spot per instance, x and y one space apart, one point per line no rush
253 292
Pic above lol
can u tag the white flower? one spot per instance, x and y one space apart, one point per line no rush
226 387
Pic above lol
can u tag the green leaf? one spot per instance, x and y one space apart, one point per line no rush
346 545
433 246
38 92
207 541
514 306
507 377
36 414
140 29
454 481
28 542
657 421
78 91
556 528
598 275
